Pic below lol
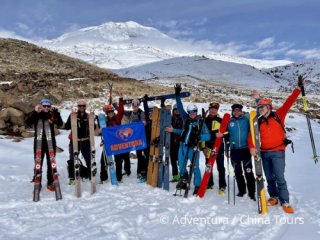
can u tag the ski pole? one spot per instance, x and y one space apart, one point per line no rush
228 169
306 110
234 178
110 92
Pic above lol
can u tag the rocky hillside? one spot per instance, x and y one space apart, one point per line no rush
288 74
29 73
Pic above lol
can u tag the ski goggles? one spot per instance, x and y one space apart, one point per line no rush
192 111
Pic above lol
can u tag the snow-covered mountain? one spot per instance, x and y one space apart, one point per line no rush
141 52
121 45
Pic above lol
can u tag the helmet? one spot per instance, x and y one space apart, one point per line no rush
82 102
265 101
45 101
135 102
214 105
236 105
109 108
191 108
174 107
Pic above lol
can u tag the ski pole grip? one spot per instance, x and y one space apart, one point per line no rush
303 93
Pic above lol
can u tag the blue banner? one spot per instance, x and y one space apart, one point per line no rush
124 138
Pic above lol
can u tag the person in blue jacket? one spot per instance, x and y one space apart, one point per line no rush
240 143
190 136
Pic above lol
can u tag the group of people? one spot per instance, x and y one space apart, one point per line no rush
189 130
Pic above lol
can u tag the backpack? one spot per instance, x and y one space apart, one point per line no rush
286 141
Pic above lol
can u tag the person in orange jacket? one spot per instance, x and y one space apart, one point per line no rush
272 137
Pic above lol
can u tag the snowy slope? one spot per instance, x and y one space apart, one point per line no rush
121 45
199 69
137 211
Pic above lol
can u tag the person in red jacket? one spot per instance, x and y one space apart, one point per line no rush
272 136
114 119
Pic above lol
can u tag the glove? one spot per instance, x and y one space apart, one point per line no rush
162 102
207 152
300 81
156 141
177 89
146 97
37 108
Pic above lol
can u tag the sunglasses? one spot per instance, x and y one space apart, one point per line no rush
81 105
46 106
110 111
262 106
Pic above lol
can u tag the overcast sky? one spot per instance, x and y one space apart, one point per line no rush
264 29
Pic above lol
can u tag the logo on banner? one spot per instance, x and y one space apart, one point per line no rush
124 134
124 138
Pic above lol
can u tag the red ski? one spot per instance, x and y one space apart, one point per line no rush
215 150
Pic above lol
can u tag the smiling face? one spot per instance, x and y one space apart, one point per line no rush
45 107
192 114
213 111
110 113
264 110
237 112
82 108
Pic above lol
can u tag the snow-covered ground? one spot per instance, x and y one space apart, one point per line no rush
138 211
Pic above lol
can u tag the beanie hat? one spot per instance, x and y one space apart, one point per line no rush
214 105
236 105
45 101
82 102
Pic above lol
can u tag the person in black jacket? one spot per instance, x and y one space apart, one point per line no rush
83 142
213 122
45 111
176 122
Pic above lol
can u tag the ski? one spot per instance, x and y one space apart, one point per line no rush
110 160
164 151
37 163
152 173
93 165
212 159
306 111
191 168
74 131
52 157
261 192
153 98
110 92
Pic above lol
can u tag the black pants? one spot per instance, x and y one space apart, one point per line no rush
45 152
84 148
119 159
221 170
142 163
241 160
174 153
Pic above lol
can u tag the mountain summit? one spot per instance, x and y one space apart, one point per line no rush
121 45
